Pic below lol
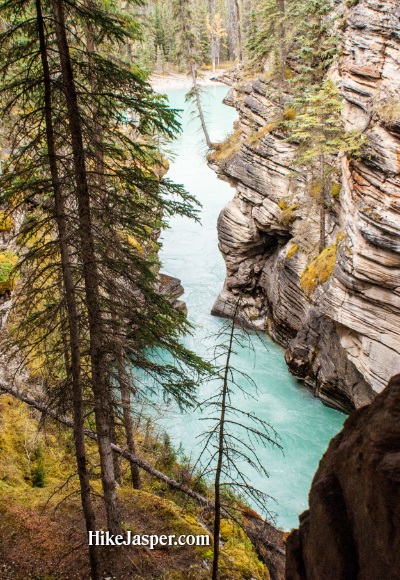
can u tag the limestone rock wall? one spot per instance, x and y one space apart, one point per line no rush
345 339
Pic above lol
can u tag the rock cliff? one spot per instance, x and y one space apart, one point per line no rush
343 339
351 528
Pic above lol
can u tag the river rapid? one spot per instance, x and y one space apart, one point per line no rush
190 252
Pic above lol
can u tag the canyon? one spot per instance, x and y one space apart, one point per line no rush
343 339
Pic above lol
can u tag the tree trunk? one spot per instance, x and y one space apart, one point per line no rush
72 310
322 205
217 512
98 369
128 424
282 39
200 108
239 31
211 12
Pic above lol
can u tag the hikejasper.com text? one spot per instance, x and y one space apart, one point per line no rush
100 538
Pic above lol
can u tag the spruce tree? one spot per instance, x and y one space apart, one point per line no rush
319 130
111 197
188 52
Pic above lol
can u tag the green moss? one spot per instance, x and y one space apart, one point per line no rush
287 216
6 222
292 250
319 270
169 515
335 190
238 555
8 277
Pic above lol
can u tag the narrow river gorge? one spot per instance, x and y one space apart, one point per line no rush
190 252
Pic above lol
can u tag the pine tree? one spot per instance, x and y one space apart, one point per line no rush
103 190
319 130
316 45
224 450
188 52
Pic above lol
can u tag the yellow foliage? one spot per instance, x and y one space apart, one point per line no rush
289 74
227 149
238 555
20 440
132 241
319 270
8 277
254 137
335 190
292 250
6 222
316 188
270 127
289 114
287 215
22 445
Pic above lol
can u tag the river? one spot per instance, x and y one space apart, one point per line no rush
190 252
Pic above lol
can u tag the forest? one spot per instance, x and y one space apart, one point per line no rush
97 352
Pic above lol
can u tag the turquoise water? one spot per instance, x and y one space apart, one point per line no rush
190 252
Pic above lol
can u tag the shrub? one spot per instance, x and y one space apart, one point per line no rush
8 277
227 149
316 188
6 222
289 114
38 476
282 204
287 216
335 190
239 554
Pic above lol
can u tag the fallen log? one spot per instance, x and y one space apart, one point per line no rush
142 463
267 540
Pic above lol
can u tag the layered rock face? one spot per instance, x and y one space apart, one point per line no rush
350 531
345 339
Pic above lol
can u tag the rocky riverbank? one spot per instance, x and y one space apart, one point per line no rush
343 337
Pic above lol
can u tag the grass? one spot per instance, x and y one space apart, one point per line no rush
292 250
319 270
43 528
227 149
8 277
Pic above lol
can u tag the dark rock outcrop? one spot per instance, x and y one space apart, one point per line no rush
172 288
352 528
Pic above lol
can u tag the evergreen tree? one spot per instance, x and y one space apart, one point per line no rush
319 130
229 442
84 171
315 45
188 52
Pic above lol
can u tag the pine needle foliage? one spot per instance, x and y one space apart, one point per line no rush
81 124
233 434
